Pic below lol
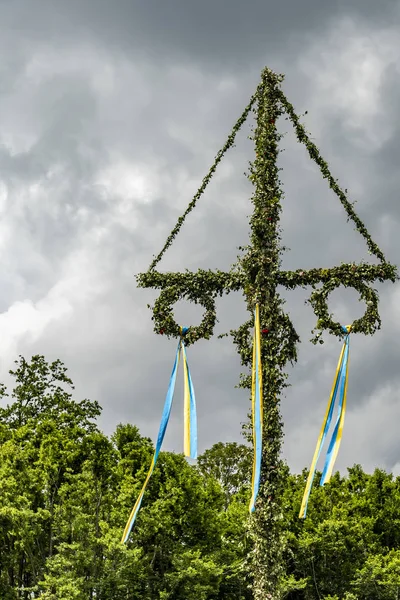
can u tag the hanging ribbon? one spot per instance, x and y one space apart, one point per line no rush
190 417
190 426
257 409
340 383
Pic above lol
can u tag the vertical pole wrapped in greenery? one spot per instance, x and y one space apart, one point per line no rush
261 266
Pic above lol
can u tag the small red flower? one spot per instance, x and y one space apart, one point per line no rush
264 331
162 331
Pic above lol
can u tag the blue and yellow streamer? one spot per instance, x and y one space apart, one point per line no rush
189 404
190 426
339 384
257 409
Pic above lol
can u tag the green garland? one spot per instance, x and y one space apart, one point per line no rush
228 144
164 319
367 324
326 174
204 286
257 274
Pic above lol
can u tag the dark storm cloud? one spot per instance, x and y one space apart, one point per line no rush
213 32
105 88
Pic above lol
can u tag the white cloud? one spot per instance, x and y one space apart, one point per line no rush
129 183
137 133
345 67
26 320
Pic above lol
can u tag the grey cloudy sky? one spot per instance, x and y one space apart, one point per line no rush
110 115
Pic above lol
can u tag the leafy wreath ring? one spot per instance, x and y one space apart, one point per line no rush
163 315
367 324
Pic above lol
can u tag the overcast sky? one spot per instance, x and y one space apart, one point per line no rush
110 116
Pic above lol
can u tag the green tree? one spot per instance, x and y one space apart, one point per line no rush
351 524
66 491
230 464
379 578
42 437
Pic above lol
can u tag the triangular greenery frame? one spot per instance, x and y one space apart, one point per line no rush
203 286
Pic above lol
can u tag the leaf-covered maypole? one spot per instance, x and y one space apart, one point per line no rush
261 267
257 274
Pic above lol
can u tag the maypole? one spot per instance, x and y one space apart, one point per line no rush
257 275
261 269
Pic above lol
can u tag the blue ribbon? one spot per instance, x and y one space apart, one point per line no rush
340 384
192 424
336 439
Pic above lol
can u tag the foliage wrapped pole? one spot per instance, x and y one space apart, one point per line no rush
261 266
257 274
